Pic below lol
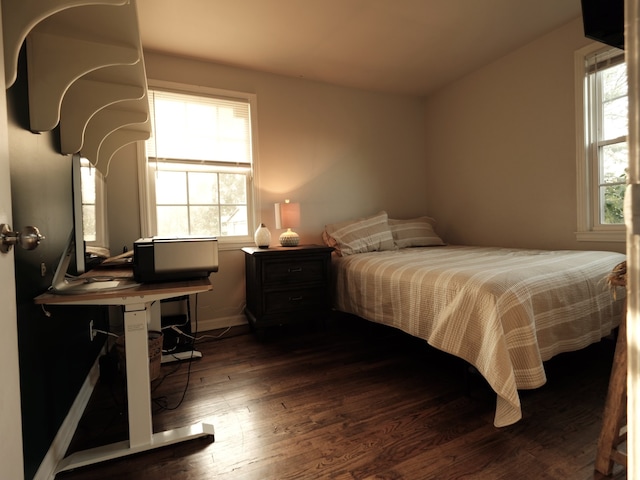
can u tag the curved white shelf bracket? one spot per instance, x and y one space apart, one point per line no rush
55 62
94 91
85 71
117 140
19 17
104 123
82 101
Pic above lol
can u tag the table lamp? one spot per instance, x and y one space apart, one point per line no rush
288 216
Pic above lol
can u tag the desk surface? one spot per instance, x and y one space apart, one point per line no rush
141 292
137 302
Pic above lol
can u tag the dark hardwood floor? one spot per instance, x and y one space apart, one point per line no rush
353 400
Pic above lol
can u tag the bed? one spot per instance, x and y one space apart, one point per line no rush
503 310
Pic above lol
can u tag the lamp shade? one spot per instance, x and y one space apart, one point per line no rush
287 215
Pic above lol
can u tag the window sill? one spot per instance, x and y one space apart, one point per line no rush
602 236
233 244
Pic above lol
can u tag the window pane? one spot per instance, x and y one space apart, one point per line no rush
204 221
172 221
203 188
615 118
89 223
234 134
199 128
233 189
610 122
614 81
612 201
171 188
614 160
234 220
88 181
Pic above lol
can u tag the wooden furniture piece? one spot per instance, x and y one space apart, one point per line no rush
614 429
139 305
286 284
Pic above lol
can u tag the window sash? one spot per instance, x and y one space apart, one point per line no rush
606 190
219 208
593 178
244 165
93 205
205 127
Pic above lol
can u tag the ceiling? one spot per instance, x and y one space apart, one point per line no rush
401 46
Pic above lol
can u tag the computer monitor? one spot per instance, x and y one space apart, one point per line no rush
75 253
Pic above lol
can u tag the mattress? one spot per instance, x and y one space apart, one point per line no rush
505 311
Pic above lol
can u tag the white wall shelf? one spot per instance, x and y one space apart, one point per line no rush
85 72
21 16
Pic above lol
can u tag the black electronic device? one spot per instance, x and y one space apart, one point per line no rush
603 20
159 259
66 279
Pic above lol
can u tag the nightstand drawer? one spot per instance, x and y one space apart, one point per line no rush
298 299
294 271
287 284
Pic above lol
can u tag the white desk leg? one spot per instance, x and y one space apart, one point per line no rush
136 320
155 322
141 436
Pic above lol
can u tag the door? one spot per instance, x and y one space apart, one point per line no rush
10 417
632 216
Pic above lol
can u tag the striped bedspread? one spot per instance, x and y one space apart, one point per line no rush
505 311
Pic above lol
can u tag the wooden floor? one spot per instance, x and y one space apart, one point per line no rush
353 400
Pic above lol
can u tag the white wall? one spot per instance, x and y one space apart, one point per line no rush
492 156
340 152
501 149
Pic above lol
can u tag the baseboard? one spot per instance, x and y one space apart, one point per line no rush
221 322
63 438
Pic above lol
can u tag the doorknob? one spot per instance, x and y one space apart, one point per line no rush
29 238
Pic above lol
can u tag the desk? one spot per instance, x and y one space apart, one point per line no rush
137 303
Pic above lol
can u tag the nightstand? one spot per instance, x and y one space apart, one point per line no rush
286 284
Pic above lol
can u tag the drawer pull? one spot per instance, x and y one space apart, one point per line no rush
295 269
296 299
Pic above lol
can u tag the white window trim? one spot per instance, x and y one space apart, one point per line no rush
588 230
99 209
253 194
101 219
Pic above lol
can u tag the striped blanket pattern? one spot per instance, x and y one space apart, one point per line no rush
505 311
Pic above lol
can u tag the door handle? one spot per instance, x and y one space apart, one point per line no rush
29 238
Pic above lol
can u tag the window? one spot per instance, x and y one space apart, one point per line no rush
93 205
199 164
602 143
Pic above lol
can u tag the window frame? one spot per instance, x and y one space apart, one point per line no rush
99 206
147 184
587 164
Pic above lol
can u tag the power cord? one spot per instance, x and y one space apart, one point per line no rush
105 332
201 337
176 329
161 401
157 401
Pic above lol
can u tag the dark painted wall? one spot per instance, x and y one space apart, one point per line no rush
55 351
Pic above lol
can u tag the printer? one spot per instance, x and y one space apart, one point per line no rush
161 259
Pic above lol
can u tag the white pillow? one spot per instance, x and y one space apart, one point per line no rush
368 234
415 232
